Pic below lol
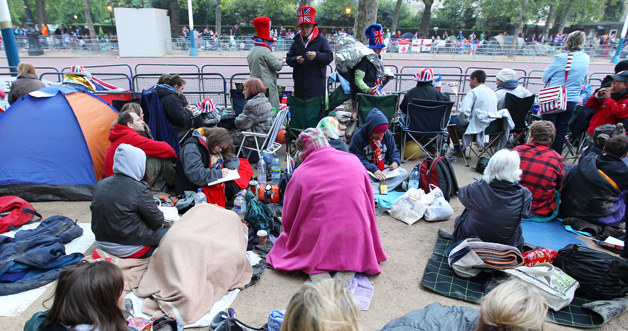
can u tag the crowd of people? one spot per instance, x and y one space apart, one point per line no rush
328 217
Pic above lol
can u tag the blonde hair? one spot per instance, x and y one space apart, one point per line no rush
504 165
512 306
25 68
324 305
575 41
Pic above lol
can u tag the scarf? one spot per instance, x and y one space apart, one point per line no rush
169 88
378 159
619 95
508 85
312 36
262 42
330 127
309 141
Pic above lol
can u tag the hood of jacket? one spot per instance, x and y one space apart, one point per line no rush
29 76
119 131
165 89
508 85
130 161
375 118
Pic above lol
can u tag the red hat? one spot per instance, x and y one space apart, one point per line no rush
262 28
380 128
306 15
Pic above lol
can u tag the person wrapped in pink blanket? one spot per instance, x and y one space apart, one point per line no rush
328 214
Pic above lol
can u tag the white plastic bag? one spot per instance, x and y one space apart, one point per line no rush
555 285
411 206
440 209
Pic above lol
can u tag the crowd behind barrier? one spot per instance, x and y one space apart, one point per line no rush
208 81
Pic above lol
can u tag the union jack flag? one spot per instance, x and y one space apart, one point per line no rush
379 37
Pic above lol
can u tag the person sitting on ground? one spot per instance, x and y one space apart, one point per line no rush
609 103
480 98
423 90
322 305
512 305
257 115
507 83
25 83
137 109
88 296
160 155
125 218
495 205
179 118
331 128
206 156
595 190
342 234
375 146
542 168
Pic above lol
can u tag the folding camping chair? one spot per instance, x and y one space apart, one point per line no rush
237 101
425 118
520 110
156 119
269 138
495 132
387 104
577 137
303 114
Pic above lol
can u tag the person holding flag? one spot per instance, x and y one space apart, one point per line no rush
369 72
424 89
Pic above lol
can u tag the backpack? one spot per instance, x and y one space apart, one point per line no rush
15 211
257 214
440 173
601 276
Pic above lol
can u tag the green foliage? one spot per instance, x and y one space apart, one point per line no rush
386 11
333 13
455 14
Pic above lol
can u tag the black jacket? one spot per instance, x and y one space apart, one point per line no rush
493 212
180 119
124 212
588 195
310 76
425 91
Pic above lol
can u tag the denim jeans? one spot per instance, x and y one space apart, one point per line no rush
561 122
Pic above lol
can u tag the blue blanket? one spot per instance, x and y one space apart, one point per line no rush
386 201
550 235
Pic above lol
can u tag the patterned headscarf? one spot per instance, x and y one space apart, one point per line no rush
310 140
330 127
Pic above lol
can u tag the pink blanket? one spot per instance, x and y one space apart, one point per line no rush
328 218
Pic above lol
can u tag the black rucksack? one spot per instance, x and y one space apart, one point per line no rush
440 173
601 276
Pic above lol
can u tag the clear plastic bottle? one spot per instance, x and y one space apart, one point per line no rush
414 178
239 205
261 172
199 197
275 170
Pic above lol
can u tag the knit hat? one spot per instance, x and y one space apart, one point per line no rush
306 15
375 36
380 128
425 75
262 28
506 74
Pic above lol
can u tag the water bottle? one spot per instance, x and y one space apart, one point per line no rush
239 205
199 197
414 179
261 172
275 169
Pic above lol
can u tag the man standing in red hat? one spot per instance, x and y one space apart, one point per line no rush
309 55
262 63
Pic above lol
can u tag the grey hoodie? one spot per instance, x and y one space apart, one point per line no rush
129 160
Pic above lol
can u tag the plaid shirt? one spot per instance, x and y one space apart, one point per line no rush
542 173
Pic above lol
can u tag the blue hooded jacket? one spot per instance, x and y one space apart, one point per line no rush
361 146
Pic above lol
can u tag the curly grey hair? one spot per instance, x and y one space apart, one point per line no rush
575 41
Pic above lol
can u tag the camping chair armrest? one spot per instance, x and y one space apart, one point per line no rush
254 134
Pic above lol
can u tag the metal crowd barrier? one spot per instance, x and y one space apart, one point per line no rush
198 86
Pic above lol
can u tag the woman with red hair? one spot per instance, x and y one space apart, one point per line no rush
257 115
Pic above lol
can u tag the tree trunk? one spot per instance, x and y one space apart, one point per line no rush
566 14
90 24
424 27
393 27
218 18
41 12
365 16
305 3
548 22
175 26
515 37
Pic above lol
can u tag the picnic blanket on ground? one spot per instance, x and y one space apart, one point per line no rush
15 304
200 259
550 235
440 278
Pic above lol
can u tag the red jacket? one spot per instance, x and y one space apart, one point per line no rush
122 134
607 111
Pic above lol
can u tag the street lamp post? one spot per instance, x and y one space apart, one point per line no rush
348 10
110 10
34 48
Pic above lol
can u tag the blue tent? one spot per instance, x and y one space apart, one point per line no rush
53 143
